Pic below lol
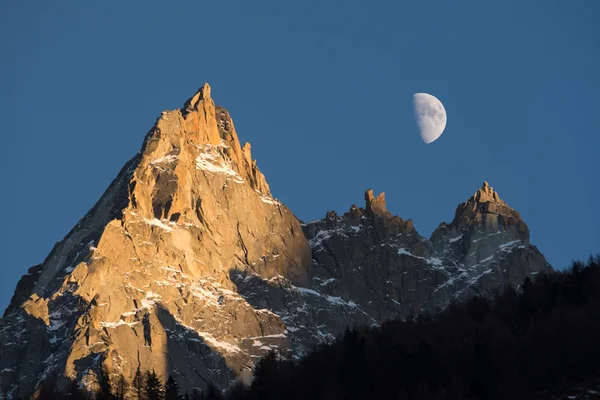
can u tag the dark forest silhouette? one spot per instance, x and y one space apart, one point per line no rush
530 344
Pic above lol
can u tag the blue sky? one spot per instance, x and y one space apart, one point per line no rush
323 91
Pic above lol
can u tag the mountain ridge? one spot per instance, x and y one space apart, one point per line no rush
188 265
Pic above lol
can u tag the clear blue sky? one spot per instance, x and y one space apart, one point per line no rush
323 91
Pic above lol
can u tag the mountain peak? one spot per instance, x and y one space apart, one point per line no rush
192 103
375 204
484 221
486 230
482 205
486 193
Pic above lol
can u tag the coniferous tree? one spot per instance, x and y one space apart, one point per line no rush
401 395
441 394
198 395
138 383
74 392
212 392
422 392
153 388
172 389
332 389
353 366
265 377
237 392
120 388
456 390
47 390
104 385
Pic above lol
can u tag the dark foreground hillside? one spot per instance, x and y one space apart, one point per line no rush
541 343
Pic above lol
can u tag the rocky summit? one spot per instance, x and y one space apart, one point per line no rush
187 265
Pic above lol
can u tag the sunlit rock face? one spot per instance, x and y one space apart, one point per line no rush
145 278
187 265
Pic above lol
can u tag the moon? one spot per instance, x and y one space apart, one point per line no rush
430 115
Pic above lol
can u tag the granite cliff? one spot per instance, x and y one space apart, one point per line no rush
187 265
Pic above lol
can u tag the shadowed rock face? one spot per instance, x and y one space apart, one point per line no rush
381 263
187 265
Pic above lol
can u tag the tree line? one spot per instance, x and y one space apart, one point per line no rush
532 344
146 386
538 343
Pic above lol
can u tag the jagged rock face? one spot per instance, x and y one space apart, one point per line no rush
381 263
145 277
187 265
377 260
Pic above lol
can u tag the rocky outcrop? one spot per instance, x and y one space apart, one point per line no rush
187 265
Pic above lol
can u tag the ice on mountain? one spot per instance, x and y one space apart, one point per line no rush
160 224
455 239
211 160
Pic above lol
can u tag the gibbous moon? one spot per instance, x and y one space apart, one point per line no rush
430 115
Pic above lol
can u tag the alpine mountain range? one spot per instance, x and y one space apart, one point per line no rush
187 265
